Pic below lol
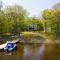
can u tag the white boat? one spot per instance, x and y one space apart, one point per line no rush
2 46
9 47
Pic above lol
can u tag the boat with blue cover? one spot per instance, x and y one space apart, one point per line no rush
10 47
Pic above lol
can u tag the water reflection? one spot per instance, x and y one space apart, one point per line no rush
39 53
52 52
33 52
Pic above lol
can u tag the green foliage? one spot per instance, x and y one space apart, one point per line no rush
14 19
52 21
34 21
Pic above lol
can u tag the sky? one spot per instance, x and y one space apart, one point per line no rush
34 7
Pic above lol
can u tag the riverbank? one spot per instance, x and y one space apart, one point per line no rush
34 37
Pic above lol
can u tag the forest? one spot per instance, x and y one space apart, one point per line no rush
15 19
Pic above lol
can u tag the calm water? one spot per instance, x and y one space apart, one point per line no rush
33 52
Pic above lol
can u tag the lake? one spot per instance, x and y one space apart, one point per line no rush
33 52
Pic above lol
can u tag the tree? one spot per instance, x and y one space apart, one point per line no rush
53 20
1 5
17 14
56 6
34 22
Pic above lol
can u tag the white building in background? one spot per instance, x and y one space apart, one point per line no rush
32 27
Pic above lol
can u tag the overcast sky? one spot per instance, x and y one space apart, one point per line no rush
34 7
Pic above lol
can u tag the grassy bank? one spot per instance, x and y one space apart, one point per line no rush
33 37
